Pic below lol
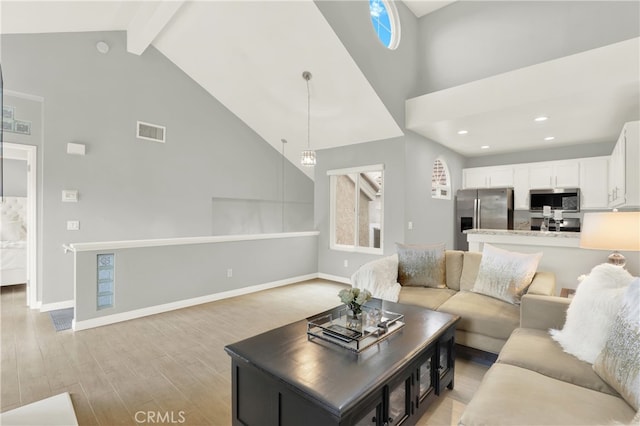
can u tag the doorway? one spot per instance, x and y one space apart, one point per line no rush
18 153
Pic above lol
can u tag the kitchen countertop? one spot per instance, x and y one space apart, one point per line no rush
505 232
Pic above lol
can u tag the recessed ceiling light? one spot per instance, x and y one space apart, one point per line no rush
541 118
463 132
549 138
485 147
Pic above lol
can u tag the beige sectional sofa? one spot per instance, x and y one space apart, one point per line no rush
535 382
486 323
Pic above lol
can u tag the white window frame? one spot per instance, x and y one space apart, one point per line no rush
333 174
438 187
394 21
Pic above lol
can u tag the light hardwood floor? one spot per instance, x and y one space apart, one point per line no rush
168 363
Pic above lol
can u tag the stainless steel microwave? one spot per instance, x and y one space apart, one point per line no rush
564 199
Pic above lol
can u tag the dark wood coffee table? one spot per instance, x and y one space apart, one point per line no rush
282 378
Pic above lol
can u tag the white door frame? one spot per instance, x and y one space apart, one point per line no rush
30 154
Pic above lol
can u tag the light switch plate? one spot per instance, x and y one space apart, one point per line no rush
70 195
73 225
75 148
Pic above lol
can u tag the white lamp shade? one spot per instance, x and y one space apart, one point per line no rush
611 231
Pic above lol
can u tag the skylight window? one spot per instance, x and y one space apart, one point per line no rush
384 18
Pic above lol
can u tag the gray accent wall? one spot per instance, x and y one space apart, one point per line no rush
408 160
392 73
14 178
387 152
433 219
151 276
470 40
131 188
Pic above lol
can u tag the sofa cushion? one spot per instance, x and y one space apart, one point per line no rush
592 312
510 395
426 297
421 265
505 274
483 314
619 362
454 264
535 350
470 266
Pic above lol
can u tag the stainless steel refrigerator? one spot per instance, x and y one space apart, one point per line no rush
482 209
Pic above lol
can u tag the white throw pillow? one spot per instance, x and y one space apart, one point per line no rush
592 311
380 277
505 274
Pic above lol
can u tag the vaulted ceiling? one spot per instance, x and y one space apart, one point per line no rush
250 55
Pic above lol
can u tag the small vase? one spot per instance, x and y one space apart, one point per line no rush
354 320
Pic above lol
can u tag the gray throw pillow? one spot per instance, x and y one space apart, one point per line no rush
619 362
421 265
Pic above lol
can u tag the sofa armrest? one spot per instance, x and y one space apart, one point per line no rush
543 312
543 284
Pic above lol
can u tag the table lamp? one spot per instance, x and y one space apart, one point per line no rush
611 231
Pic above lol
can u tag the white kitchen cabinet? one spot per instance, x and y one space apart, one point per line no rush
560 174
521 187
594 177
474 178
624 177
487 177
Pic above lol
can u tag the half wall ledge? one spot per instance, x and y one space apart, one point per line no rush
154 276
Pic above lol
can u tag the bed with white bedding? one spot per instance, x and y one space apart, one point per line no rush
13 244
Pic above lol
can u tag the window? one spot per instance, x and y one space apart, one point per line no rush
384 17
357 209
440 180
106 280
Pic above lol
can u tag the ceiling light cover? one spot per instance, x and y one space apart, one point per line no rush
308 156
463 132
541 118
485 147
549 138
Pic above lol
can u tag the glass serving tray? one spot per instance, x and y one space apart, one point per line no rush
332 328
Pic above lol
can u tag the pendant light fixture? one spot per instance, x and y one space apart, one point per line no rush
308 155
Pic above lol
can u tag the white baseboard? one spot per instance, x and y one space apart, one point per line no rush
152 310
344 280
46 307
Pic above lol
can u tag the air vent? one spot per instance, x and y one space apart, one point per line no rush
151 132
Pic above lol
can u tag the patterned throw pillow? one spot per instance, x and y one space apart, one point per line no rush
505 274
619 362
421 266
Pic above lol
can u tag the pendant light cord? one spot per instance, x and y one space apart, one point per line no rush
308 113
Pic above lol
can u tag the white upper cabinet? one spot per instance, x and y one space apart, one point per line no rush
594 176
624 176
521 188
487 177
591 175
560 174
